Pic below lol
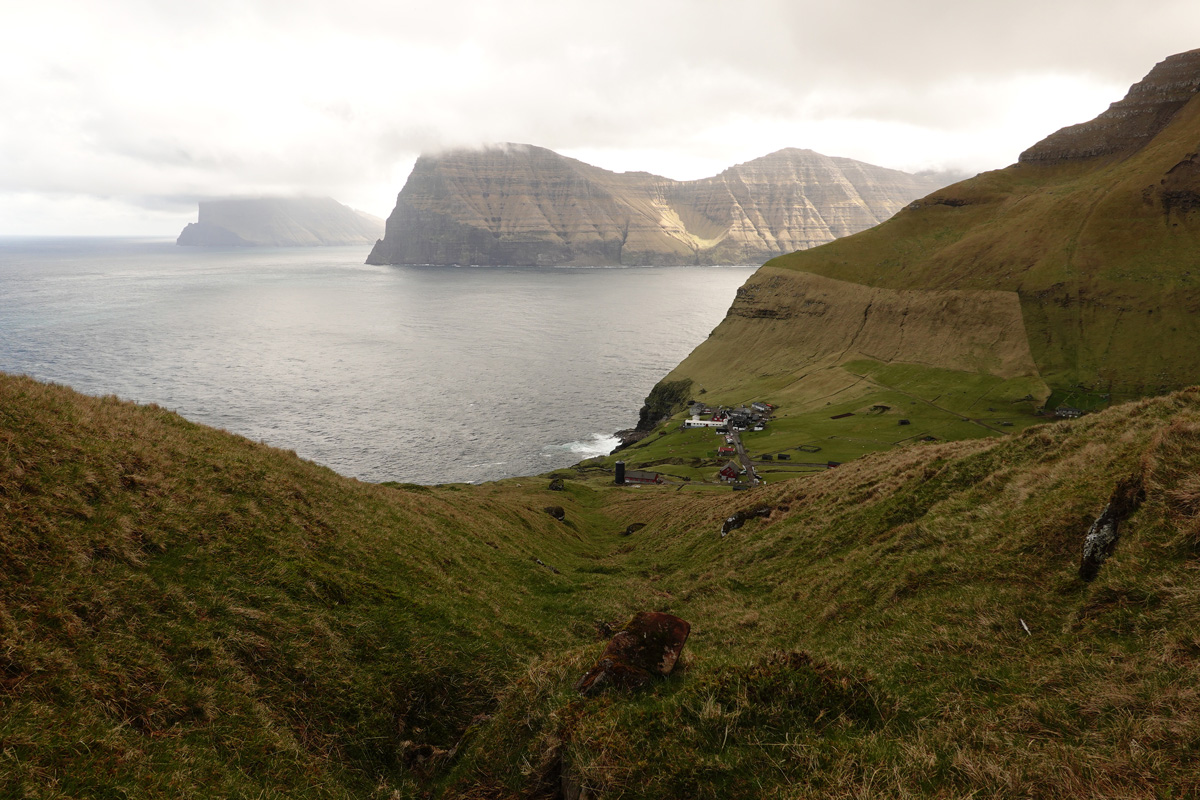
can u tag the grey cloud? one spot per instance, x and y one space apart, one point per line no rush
144 99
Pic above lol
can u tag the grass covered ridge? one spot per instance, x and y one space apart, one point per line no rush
186 613
1102 259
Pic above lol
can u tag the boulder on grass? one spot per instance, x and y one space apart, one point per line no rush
648 645
740 518
557 512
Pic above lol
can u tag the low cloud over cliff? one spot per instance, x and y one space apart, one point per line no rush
125 114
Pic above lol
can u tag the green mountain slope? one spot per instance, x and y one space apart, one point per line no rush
1092 236
187 613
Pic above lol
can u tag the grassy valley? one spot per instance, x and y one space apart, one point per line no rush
190 613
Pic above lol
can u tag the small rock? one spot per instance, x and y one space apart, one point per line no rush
634 528
541 563
557 512
557 485
739 518
648 645
1102 537
422 757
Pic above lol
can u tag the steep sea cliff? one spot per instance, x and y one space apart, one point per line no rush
525 205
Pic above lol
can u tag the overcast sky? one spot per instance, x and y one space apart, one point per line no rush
117 116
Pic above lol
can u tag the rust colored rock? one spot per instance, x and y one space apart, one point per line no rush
648 645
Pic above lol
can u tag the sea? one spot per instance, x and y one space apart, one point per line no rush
383 373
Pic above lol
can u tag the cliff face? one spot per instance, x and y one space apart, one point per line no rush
279 222
524 205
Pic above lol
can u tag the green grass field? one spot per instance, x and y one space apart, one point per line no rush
943 404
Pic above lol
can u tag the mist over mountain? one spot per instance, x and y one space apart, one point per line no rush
279 222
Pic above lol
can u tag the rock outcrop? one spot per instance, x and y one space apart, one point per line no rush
525 205
1104 533
739 518
279 222
1130 123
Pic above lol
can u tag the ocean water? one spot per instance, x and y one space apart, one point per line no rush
417 374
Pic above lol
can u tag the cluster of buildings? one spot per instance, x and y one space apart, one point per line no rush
729 422
725 420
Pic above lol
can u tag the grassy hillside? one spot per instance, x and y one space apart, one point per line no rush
187 613
1099 251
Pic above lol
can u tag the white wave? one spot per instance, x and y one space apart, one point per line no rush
600 444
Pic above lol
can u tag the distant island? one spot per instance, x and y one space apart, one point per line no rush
517 204
279 222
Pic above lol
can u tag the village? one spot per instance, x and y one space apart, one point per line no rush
739 469
730 462
741 443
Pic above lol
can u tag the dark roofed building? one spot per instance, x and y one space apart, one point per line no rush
642 476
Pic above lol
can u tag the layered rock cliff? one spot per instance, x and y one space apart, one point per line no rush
1130 123
525 205
279 222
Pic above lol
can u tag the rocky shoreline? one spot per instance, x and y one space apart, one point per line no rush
627 437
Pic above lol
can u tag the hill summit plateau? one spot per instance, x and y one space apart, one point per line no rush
517 204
